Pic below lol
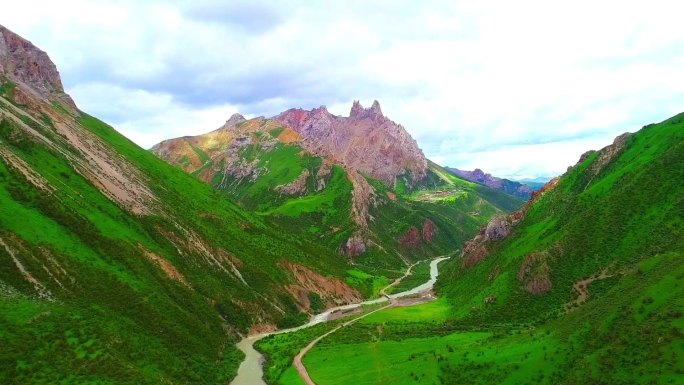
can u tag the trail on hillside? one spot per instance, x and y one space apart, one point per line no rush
415 299
581 287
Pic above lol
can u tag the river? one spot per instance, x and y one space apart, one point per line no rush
251 371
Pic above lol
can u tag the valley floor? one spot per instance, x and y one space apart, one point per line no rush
424 344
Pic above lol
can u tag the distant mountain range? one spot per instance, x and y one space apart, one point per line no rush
521 189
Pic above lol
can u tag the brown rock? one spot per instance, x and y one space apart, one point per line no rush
534 273
411 238
498 228
297 186
366 141
332 291
25 63
494 273
474 251
547 187
429 230
354 246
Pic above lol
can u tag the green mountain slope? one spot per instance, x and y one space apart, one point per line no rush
119 268
596 261
584 285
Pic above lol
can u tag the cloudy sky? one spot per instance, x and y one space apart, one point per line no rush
517 88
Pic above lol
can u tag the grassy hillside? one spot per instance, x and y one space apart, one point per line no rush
608 239
95 288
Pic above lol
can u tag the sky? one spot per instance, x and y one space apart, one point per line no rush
516 88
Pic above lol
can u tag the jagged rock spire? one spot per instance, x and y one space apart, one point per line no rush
234 120
375 108
357 110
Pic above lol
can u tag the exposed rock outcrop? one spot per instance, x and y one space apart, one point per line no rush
363 197
411 237
414 237
476 249
366 141
297 186
233 121
609 152
429 230
25 63
354 246
534 273
498 228
550 185
605 156
322 174
332 291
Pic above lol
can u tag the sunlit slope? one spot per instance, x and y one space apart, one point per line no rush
595 260
118 267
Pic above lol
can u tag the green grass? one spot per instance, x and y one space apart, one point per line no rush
116 316
436 311
627 217
322 203
372 283
280 349
420 273
406 361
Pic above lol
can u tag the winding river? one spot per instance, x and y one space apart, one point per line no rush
251 371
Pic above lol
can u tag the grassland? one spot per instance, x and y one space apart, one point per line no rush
420 273
624 216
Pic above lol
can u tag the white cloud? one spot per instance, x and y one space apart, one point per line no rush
496 85
148 118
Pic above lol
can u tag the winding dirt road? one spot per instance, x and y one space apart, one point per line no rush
250 371
415 299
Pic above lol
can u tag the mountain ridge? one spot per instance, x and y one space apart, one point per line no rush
509 186
594 259
365 163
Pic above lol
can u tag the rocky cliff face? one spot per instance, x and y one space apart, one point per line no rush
606 154
366 141
24 63
511 187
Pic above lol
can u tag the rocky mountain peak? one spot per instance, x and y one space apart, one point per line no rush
479 174
359 112
356 110
234 120
22 62
321 111
365 141
375 108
